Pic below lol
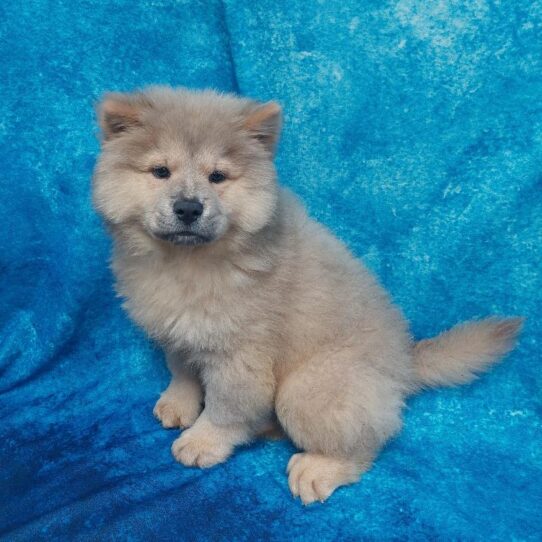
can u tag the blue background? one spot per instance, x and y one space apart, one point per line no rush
413 129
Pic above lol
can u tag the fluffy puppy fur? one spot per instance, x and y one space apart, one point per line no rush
264 316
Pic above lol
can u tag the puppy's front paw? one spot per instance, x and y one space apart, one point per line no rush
197 449
314 477
174 410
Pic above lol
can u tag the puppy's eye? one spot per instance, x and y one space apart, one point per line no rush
217 177
161 172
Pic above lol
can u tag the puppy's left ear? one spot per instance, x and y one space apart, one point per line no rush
117 113
263 123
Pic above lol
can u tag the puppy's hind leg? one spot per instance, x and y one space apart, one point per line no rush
339 413
181 403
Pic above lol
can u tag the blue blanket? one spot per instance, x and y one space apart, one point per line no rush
413 129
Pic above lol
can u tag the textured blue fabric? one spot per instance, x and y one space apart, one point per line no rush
413 129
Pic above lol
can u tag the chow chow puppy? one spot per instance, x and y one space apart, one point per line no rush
265 317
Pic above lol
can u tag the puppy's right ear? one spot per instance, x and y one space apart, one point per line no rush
117 113
263 123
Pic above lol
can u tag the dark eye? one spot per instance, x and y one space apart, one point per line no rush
217 177
161 172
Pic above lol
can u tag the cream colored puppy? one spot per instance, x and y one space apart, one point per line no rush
262 313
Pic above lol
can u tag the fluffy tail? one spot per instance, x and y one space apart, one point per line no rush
456 356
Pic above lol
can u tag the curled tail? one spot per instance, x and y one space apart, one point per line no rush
456 356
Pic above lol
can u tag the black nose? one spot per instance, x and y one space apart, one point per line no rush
187 210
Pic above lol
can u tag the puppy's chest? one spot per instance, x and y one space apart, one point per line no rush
201 309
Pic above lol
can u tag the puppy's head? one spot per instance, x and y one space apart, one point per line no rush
186 168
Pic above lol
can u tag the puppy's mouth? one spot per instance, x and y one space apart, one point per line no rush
183 238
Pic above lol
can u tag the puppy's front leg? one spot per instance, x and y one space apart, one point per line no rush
238 404
181 403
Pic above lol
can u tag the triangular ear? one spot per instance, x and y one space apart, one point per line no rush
264 123
117 113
